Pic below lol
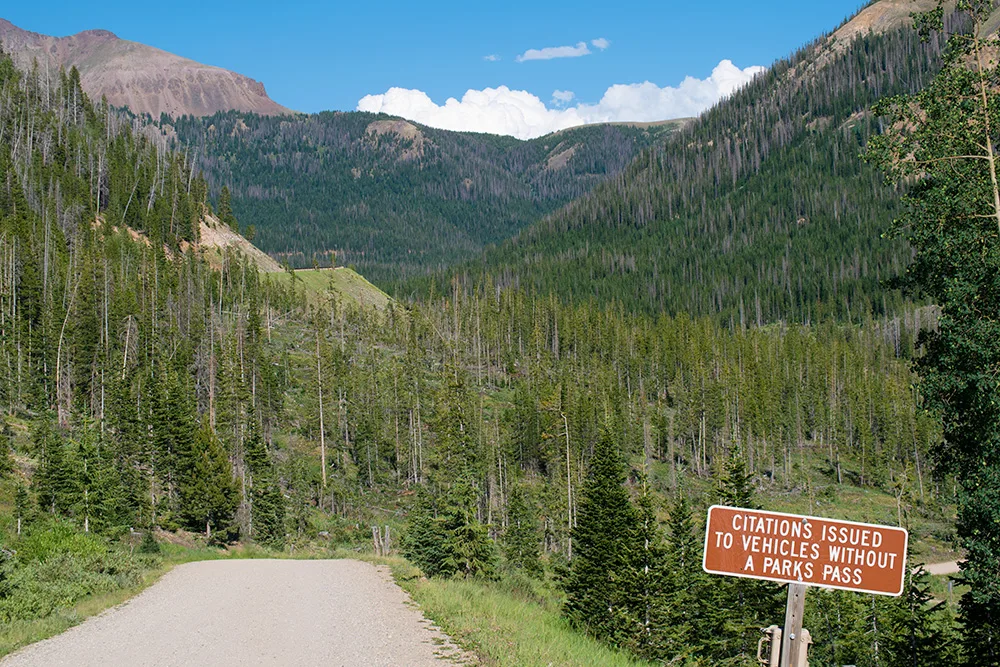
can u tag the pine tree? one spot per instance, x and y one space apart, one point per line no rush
604 540
737 608
54 482
6 454
921 632
685 585
267 504
206 489
149 546
226 209
172 426
736 486
472 552
649 592
425 540
521 539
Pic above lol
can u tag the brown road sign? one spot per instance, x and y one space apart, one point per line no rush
806 550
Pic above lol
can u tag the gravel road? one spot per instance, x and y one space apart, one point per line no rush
253 612
950 567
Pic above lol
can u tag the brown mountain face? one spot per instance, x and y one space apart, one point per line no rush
140 77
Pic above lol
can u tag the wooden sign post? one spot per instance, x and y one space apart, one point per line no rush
804 551
791 639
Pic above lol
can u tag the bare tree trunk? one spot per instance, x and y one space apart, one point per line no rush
569 495
984 100
322 428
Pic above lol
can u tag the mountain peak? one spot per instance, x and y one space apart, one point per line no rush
140 77
882 16
104 34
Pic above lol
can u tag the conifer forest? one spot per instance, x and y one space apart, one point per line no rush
788 303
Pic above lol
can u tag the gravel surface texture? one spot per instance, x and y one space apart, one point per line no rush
254 612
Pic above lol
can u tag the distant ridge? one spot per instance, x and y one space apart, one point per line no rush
140 77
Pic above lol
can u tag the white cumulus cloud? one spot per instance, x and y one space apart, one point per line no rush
600 43
562 97
550 52
491 58
521 114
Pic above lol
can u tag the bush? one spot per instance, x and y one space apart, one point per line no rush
149 546
55 566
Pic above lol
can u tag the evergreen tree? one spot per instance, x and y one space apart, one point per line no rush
206 489
225 209
54 482
604 541
472 552
942 142
149 545
736 485
685 585
521 539
87 478
6 454
737 607
444 538
921 632
172 425
425 540
267 504
649 592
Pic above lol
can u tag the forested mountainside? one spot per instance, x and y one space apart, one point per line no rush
391 197
758 211
115 334
143 387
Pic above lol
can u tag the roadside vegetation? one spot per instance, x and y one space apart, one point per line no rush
534 458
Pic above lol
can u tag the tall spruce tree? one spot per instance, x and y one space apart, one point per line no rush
267 505
472 552
943 142
738 607
206 489
649 592
604 542
225 211
6 454
685 586
920 629
425 540
522 538
54 481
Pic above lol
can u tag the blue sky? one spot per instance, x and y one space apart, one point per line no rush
313 56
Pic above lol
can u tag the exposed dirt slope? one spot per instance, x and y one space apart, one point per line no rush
881 16
217 238
143 78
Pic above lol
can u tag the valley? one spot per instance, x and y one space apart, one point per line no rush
246 356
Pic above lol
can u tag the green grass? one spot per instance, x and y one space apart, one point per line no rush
347 284
20 633
939 589
501 624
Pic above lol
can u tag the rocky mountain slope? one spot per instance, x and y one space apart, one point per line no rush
140 77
